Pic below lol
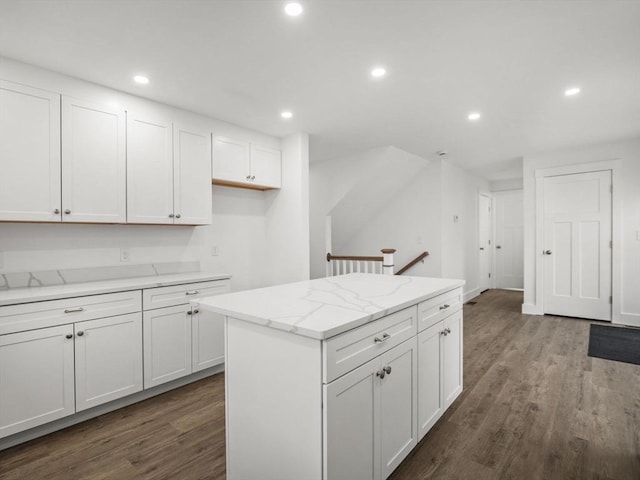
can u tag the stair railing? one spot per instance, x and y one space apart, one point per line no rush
343 264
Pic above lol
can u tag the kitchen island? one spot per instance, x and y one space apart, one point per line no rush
337 378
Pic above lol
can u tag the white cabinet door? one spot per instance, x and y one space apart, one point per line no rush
166 344
398 405
36 378
231 160
266 166
430 406
192 176
93 162
452 358
108 359
149 169
29 154
370 416
207 344
350 419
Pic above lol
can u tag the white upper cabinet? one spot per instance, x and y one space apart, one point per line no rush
244 164
149 169
192 193
93 162
168 172
231 160
266 166
29 154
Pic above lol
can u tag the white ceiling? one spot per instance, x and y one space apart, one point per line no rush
245 61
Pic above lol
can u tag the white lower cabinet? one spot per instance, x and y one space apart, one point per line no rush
370 416
439 370
179 339
36 378
108 359
39 371
167 344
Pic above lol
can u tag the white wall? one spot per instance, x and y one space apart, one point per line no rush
460 251
245 224
626 240
422 208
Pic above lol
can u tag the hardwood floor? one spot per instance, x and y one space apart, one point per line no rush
534 407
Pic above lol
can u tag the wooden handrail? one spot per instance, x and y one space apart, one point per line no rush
353 257
412 263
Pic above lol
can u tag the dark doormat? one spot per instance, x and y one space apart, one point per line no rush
615 343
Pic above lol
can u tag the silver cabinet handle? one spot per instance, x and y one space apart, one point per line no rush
192 292
178 215
68 336
385 336
443 332
448 330
547 252
80 333
445 306
385 371
73 310
248 177
56 211
67 211
196 311
481 248
253 177
189 312
498 247
171 215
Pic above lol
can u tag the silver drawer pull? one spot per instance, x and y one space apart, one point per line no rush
192 292
446 305
385 336
72 310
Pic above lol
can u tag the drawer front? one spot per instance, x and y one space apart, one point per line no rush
29 316
161 297
435 309
347 351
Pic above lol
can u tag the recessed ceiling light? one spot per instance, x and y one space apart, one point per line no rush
293 9
473 116
378 72
570 92
141 79
286 114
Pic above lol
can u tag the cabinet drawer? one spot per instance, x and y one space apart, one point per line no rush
161 297
29 316
351 349
435 309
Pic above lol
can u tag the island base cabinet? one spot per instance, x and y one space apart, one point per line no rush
36 378
370 416
439 370
108 359
452 358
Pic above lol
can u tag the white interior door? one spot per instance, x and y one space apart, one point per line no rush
484 241
509 239
577 245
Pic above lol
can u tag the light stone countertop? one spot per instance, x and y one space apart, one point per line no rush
16 296
326 307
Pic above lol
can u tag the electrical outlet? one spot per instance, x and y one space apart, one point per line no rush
125 255
214 251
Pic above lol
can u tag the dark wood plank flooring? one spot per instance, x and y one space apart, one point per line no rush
534 407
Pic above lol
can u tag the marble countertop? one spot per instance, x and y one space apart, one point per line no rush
326 307
15 296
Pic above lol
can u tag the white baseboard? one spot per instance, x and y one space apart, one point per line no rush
84 415
531 309
470 294
630 319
